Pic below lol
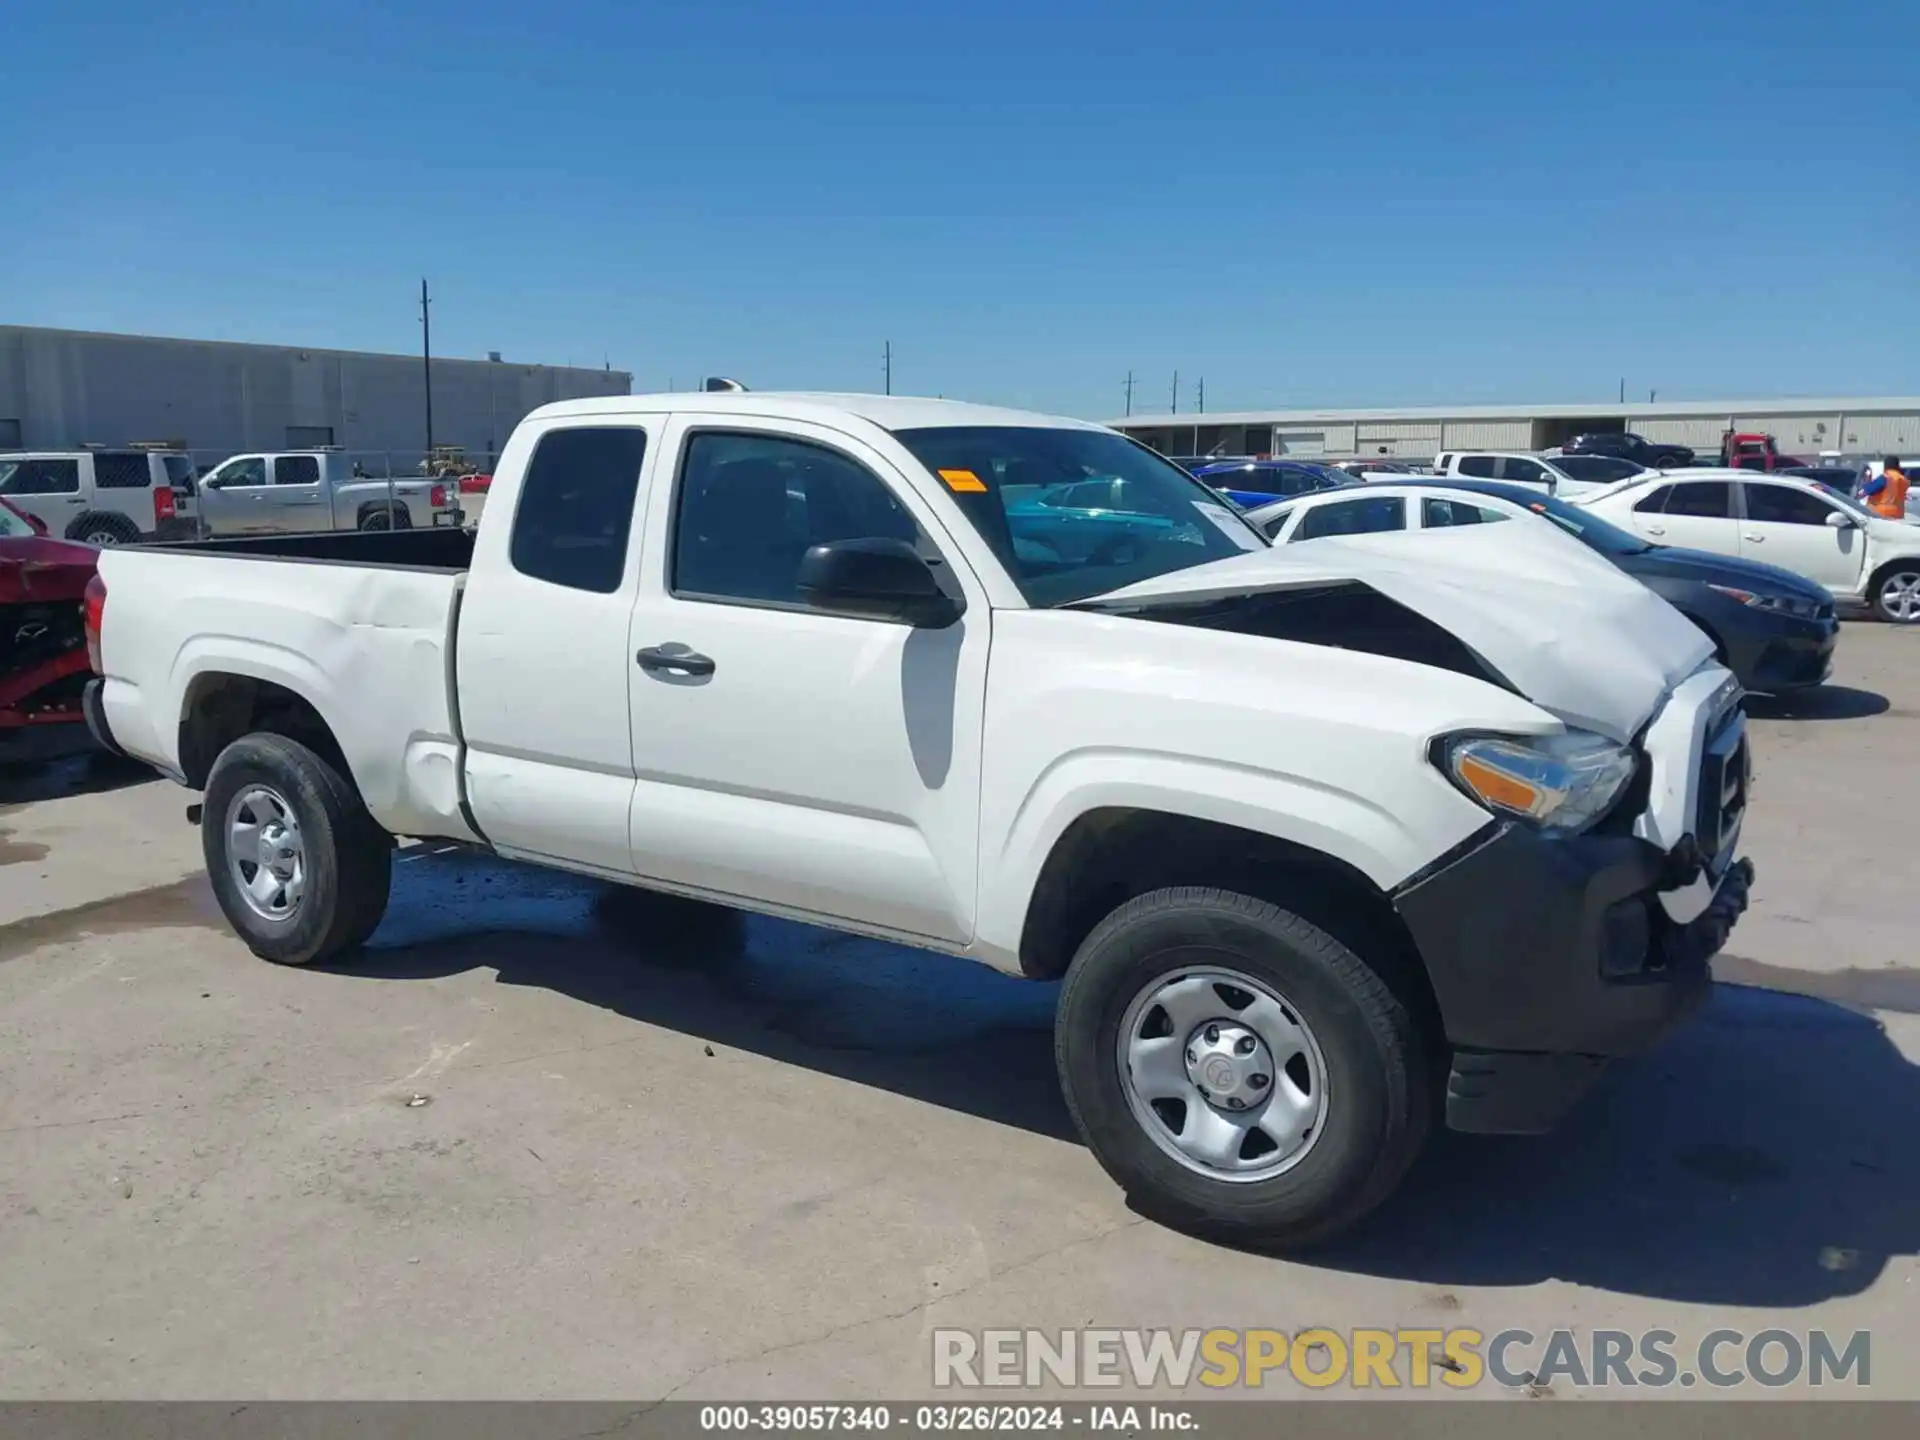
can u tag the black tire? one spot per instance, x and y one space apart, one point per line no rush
1905 573
348 861
104 528
1379 1085
381 519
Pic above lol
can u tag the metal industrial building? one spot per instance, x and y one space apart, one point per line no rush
1851 427
64 388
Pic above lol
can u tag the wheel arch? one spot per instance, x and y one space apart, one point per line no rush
1113 854
218 707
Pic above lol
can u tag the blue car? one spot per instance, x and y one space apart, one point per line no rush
1249 483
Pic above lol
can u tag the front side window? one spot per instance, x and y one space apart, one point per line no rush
240 474
750 506
296 470
1706 499
575 509
1369 516
1479 467
1655 500
1785 505
39 477
1163 519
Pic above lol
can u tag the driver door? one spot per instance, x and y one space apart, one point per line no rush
821 763
1789 526
233 497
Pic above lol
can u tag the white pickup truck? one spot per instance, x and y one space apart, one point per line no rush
1325 847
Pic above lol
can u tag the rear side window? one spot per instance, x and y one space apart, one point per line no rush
575 509
180 472
121 472
296 470
1480 467
1440 514
1708 499
1353 517
39 477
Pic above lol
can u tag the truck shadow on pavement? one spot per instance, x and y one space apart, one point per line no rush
1824 702
1762 1156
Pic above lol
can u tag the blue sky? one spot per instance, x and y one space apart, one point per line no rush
1379 202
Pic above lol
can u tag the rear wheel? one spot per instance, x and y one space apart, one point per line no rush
301 870
1240 1072
104 530
1896 593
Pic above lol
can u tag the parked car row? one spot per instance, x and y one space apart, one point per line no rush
120 497
1774 629
1798 525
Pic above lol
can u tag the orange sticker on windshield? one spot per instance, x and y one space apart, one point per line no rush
964 482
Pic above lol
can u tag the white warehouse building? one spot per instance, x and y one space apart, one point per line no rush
60 389
1855 427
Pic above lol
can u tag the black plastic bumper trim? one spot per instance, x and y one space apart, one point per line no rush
95 713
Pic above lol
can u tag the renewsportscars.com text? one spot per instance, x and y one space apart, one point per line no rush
1408 1358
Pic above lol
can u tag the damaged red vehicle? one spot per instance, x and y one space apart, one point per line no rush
43 644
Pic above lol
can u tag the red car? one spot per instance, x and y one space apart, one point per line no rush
43 645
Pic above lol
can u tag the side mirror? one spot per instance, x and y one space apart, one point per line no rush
878 580
1837 521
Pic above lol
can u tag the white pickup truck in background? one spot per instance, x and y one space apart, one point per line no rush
1326 848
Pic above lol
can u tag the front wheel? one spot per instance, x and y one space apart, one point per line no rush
1240 1072
301 870
1896 593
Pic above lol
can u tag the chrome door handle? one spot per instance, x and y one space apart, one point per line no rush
1755 539
1656 529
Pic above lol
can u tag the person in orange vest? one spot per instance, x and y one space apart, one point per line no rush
1886 493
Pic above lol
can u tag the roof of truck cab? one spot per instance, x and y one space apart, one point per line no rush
889 412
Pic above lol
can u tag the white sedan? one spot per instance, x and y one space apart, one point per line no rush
1860 557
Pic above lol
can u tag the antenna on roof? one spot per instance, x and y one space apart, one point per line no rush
721 384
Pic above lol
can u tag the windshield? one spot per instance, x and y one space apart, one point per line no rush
1075 513
1582 524
12 527
1587 527
1846 502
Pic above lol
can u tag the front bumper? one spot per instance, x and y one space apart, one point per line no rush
1550 955
1786 655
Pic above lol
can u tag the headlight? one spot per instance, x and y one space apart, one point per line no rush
1780 604
1561 782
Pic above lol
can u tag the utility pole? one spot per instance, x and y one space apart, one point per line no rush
1129 392
1623 389
886 365
1176 392
1650 395
426 363
1203 395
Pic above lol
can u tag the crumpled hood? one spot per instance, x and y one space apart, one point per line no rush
1571 632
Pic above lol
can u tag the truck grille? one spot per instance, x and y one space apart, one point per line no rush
1724 777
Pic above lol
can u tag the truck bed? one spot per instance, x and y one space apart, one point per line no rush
360 625
448 550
